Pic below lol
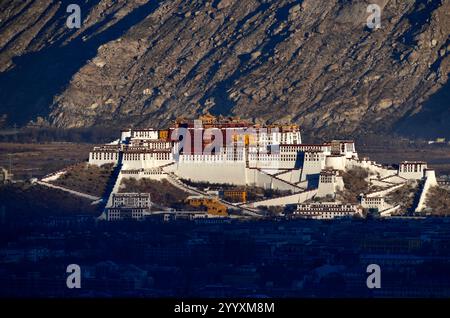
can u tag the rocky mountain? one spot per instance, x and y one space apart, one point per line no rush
312 62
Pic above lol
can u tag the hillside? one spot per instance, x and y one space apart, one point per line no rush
147 62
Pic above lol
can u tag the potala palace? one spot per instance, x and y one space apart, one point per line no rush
237 152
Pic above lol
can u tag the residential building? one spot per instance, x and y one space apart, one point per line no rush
129 206
323 211
212 205
235 195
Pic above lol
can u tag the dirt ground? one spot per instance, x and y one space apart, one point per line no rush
36 160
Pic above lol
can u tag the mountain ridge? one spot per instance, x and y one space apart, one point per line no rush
145 63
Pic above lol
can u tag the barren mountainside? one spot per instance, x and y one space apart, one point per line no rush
145 63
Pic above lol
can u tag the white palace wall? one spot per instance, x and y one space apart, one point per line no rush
216 172
371 166
385 192
313 164
144 164
231 172
292 176
290 199
335 162
262 179
154 174
430 182
330 188
412 170
102 158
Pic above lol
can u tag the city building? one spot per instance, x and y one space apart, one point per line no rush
412 169
321 211
330 183
129 206
375 202
235 195
212 205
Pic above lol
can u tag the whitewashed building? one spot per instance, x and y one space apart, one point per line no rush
326 211
330 183
412 169
374 202
128 206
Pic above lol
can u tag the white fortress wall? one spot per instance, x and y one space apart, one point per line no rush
383 193
151 134
155 163
114 190
395 179
272 161
102 162
153 174
302 184
430 182
372 166
380 183
54 176
292 176
290 199
335 162
101 158
136 164
273 165
283 185
145 160
411 175
170 168
328 188
330 182
313 164
389 212
412 170
267 181
257 178
224 169
325 189
215 172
